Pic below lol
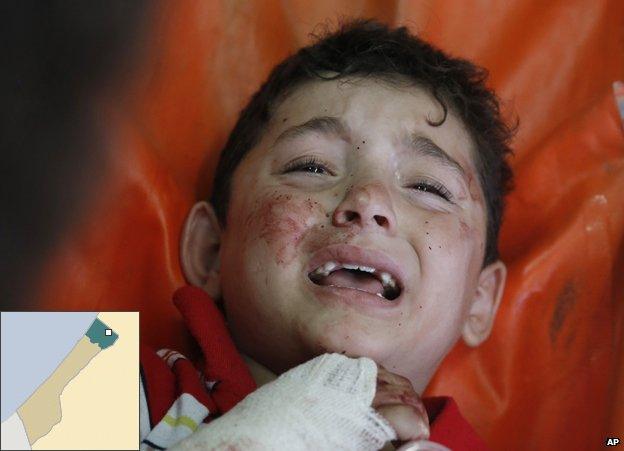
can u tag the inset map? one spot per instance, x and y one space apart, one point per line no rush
70 380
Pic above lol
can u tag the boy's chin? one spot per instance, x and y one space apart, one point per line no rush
350 342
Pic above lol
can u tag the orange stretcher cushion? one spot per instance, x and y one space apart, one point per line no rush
552 374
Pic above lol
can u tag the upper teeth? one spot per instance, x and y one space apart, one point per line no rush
361 268
324 270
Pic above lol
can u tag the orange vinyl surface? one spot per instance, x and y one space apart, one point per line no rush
552 374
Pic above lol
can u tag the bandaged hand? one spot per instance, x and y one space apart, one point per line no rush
325 403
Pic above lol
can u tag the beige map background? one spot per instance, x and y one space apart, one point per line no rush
101 405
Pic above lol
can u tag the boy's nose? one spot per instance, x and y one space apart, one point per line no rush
368 206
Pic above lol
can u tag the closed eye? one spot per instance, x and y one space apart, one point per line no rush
434 188
310 164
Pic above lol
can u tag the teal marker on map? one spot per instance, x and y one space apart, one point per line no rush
97 333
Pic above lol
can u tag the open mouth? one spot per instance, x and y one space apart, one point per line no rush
358 277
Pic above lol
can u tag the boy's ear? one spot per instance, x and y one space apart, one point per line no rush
478 324
199 249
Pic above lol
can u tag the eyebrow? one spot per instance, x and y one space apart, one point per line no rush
424 146
326 125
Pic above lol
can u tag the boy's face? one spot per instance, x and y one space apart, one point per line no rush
386 191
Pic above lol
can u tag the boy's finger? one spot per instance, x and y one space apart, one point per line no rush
392 394
386 377
407 422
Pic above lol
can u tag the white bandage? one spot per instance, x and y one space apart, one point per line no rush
324 403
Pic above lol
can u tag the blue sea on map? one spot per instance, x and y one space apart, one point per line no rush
33 345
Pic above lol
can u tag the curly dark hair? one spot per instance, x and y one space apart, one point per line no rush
367 48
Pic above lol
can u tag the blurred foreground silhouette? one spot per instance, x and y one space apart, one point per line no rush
57 58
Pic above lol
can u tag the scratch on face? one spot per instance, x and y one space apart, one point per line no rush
465 232
473 187
282 221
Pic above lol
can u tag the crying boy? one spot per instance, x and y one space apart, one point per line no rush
350 242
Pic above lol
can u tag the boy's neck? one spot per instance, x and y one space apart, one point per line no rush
260 374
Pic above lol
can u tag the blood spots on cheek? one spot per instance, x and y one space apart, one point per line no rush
281 221
449 236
